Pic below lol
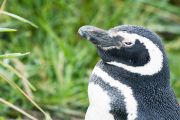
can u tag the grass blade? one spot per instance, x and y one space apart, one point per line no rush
17 109
161 6
3 5
166 28
14 85
7 30
13 55
18 18
18 74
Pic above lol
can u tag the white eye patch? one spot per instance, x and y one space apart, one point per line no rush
127 43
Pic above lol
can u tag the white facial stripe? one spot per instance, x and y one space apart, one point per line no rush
99 104
130 101
156 57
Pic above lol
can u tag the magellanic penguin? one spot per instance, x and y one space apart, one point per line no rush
131 81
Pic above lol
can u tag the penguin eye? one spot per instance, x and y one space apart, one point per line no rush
127 43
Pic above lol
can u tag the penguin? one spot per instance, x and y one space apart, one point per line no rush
131 81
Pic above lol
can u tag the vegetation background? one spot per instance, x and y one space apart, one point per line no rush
60 62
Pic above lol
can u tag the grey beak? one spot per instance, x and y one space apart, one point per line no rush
97 36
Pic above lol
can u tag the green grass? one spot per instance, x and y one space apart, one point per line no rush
60 62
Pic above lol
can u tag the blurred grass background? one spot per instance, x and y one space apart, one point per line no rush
60 61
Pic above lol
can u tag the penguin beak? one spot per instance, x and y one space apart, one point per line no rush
97 36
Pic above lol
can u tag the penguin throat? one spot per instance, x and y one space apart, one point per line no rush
155 63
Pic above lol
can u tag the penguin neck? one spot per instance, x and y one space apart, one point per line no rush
158 80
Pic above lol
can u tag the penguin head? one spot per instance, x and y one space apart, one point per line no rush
133 48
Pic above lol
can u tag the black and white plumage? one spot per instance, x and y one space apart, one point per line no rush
131 81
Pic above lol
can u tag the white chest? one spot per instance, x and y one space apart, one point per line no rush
99 104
